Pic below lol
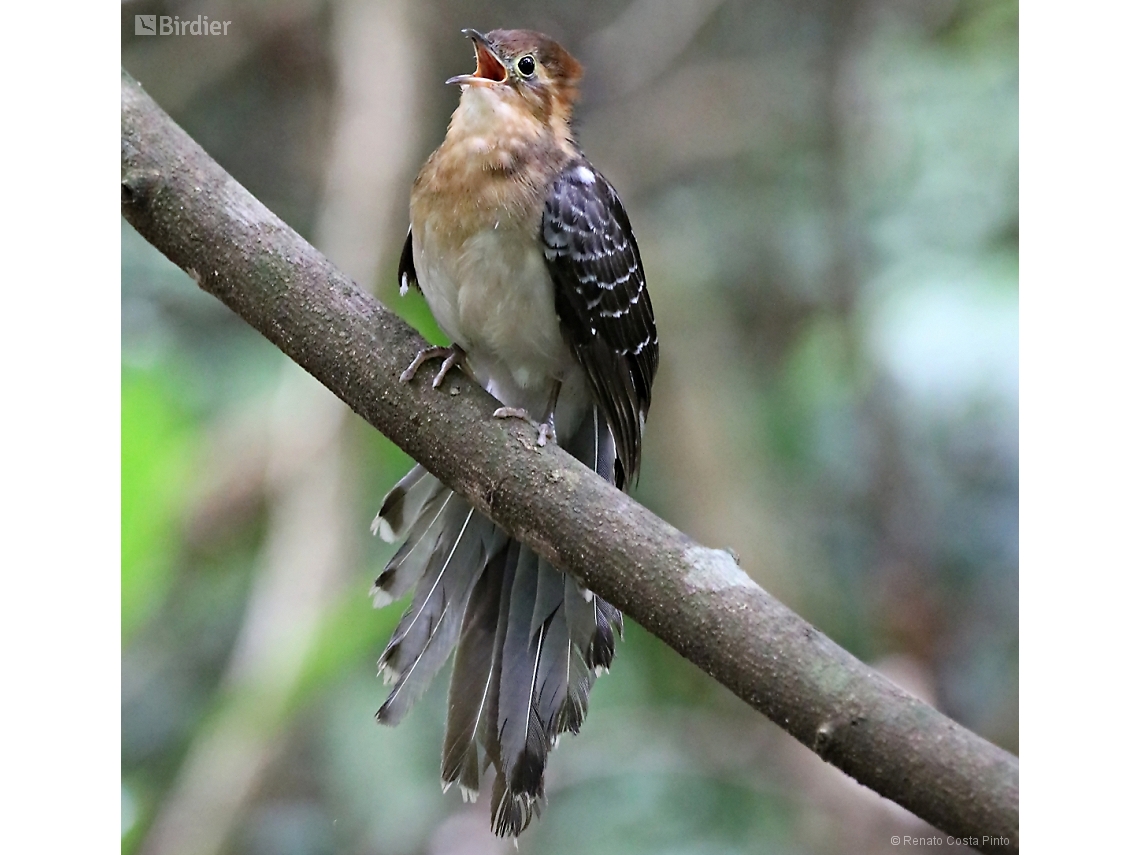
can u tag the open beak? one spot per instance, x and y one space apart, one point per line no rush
489 69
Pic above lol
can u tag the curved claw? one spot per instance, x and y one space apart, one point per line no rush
545 429
455 357
545 432
451 356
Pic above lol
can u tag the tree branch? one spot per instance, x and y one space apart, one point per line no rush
693 598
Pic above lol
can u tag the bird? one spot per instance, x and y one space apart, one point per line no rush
526 258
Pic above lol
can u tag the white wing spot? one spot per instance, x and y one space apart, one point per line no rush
584 175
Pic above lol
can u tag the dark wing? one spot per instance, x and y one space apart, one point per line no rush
602 303
406 272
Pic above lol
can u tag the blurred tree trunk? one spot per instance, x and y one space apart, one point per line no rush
307 473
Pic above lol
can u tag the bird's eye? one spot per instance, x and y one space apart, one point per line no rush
526 65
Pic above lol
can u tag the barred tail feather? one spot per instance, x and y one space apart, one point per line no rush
593 444
469 698
521 738
531 641
582 625
613 615
494 746
555 654
404 502
411 560
429 629
511 812
600 654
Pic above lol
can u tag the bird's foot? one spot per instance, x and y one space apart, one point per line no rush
451 356
545 429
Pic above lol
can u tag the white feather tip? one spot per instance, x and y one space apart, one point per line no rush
380 598
383 528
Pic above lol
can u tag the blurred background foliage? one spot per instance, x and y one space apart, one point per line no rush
825 194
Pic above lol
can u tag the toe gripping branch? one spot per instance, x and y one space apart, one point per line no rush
452 356
545 427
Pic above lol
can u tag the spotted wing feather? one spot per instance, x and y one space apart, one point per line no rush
602 303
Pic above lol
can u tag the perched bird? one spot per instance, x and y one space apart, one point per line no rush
525 256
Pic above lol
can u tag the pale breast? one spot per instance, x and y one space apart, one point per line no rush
492 294
476 208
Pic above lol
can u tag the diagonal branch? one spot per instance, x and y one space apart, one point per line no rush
693 598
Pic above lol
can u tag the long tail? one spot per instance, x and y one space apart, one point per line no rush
531 641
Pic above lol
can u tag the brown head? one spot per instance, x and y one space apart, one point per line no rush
528 68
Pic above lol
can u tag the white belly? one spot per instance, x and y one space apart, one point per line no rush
496 300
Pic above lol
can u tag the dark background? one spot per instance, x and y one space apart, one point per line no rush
825 195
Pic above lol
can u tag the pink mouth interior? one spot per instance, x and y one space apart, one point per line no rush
486 66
